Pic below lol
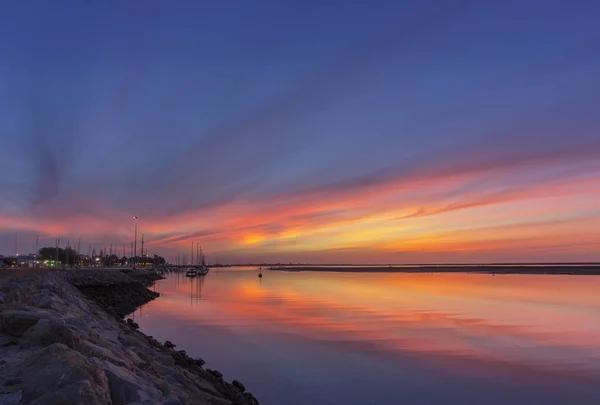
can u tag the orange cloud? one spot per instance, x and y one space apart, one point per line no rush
490 207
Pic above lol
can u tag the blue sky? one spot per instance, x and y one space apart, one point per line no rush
172 110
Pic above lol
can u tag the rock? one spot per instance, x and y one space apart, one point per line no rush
86 329
181 378
12 381
125 386
48 331
16 322
57 375
196 369
13 398
172 401
181 358
250 398
9 342
81 394
50 301
165 359
89 349
91 357
144 352
130 339
215 373
117 297
238 385
155 343
132 324
205 386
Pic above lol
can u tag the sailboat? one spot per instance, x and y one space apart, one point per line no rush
198 269
203 269
192 271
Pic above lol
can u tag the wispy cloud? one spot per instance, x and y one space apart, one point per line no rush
420 127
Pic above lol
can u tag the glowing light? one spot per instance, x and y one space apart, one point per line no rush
289 234
253 239
480 215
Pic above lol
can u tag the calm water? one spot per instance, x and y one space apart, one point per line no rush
356 338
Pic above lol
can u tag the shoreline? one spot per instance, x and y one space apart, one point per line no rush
64 340
581 270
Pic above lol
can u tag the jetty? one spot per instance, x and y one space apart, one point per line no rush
65 339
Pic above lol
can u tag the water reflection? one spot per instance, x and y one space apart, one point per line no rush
454 337
196 284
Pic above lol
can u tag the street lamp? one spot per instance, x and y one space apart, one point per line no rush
135 241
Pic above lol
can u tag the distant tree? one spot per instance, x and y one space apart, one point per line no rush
66 256
112 260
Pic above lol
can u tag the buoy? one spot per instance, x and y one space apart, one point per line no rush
259 275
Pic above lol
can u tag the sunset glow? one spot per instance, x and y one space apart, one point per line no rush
485 217
434 136
432 316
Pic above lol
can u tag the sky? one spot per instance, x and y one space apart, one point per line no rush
424 131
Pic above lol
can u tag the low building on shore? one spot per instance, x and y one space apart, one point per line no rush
25 261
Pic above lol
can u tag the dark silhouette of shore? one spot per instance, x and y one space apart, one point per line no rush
587 269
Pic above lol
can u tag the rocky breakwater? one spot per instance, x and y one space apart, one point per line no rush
119 292
59 345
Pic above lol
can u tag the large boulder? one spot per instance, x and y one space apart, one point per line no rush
53 302
48 331
12 398
49 301
57 375
90 349
15 322
125 386
238 385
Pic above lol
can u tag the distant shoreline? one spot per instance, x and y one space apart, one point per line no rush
573 269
